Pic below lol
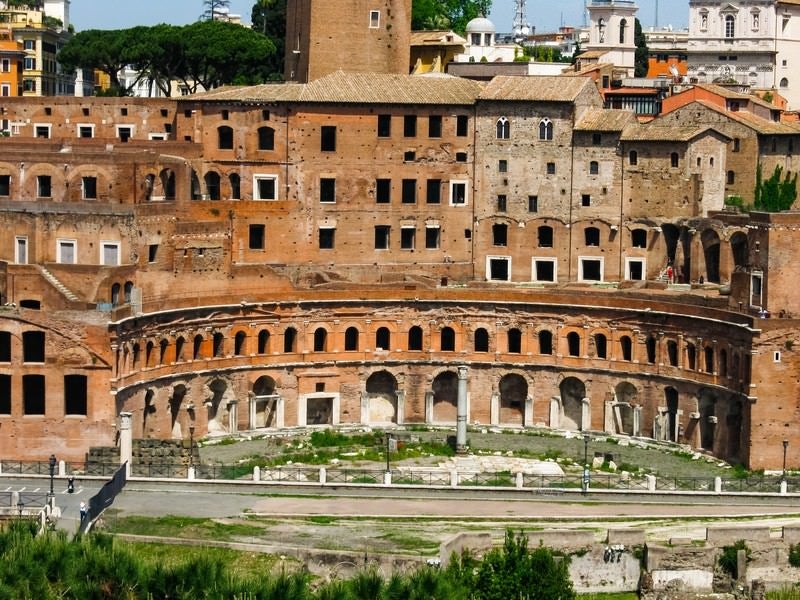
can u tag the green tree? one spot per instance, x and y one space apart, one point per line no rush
641 58
444 14
106 50
214 8
269 18
514 571
774 194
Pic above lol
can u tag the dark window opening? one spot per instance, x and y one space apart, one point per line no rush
289 340
152 253
672 353
415 338
384 125
410 126
43 186
481 340
435 126
461 157
574 344
256 236
592 270
545 270
33 347
5 185
500 234
551 168
600 345
650 347
320 340
218 344
639 238
514 341
327 190
545 342
383 339
327 238
32 304
533 204
238 343
432 238
586 200
545 236
626 345
502 203
197 347
263 341
328 138
351 339
448 339
498 269
592 236
75 395
383 191
407 238
434 191
502 166
33 395
225 138
462 125
594 167
5 346
409 156
5 394
409 194
382 237
266 138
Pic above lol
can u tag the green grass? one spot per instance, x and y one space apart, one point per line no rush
182 527
613 596
412 544
786 593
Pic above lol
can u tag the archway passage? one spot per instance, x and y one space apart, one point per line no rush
382 398
733 423
445 397
707 400
513 393
573 391
671 430
175 402
711 250
266 402
740 250
219 389
626 395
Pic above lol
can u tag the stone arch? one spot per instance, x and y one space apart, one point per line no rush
383 338
573 343
351 338
175 404
213 185
263 341
239 341
514 338
445 397
672 429
707 407
163 345
711 250
381 389
415 338
320 339
573 391
481 340
116 289
266 402
447 339
148 409
741 250
625 404
513 394
217 405
167 179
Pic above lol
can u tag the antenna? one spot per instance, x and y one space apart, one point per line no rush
656 23
520 28
585 13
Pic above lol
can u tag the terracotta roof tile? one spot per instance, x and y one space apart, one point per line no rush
542 88
604 119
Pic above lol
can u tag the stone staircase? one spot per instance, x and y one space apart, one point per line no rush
54 281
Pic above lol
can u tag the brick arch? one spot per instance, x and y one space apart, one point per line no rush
74 182
28 191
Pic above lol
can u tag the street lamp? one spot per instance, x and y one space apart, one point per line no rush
585 482
191 446
785 447
52 463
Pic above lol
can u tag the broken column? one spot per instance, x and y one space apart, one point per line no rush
461 415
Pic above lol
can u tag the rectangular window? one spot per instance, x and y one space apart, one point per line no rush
85 131
21 250
30 63
462 125
5 185
383 191
756 289
152 253
327 189
551 168
410 126
432 235
29 44
256 236
6 65
408 236
533 204
409 191
635 269
435 126
544 269
43 186
433 192
89 188
382 237
327 238
458 193
33 395
328 138
109 254
124 133
75 395
42 131
502 166
498 268
501 203
590 268
374 19
5 90
384 125
29 85
265 187
5 394
66 251
586 200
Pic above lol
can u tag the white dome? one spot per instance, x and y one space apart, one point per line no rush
480 25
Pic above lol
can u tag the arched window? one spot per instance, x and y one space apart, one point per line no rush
115 290
573 344
481 340
238 343
263 341
594 167
212 185
148 355
383 339
784 83
639 238
128 291
236 186
651 349
135 356
691 357
730 26
623 30
626 345
320 340
546 129
225 138
448 339
266 138
723 362
290 340
500 234
514 341
600 345
179 344
351 339
545 342
633 158
672 353
503 129
592 236
162 351
415 338
601 30
709 359
730 178
197 347
673 160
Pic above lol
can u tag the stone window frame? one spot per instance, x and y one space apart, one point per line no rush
261 177
493 257
759 295
581 276
17 248
538 259
107 244
129 127
80 126
635 259
546 130
60 242
453 186
48 126
503 129
374 19
408 241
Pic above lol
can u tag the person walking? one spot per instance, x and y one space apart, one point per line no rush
82 510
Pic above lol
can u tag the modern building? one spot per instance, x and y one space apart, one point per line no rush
11 65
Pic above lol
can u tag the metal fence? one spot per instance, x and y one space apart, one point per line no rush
409 476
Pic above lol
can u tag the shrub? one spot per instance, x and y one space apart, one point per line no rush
728 560
794 555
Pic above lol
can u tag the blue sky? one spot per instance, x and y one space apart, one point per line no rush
545 15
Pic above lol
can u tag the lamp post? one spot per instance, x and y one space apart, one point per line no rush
785 447
585 486
52 464
191 446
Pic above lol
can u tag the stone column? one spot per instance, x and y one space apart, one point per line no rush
494 409
608 417
586 414
233 416
251 411
637 421
555 412
280 406
125 440
364 408
528 419
461 417
400 417
429 406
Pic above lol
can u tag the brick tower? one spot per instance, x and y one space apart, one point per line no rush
352 35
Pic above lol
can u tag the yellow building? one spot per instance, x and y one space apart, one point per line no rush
431 51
